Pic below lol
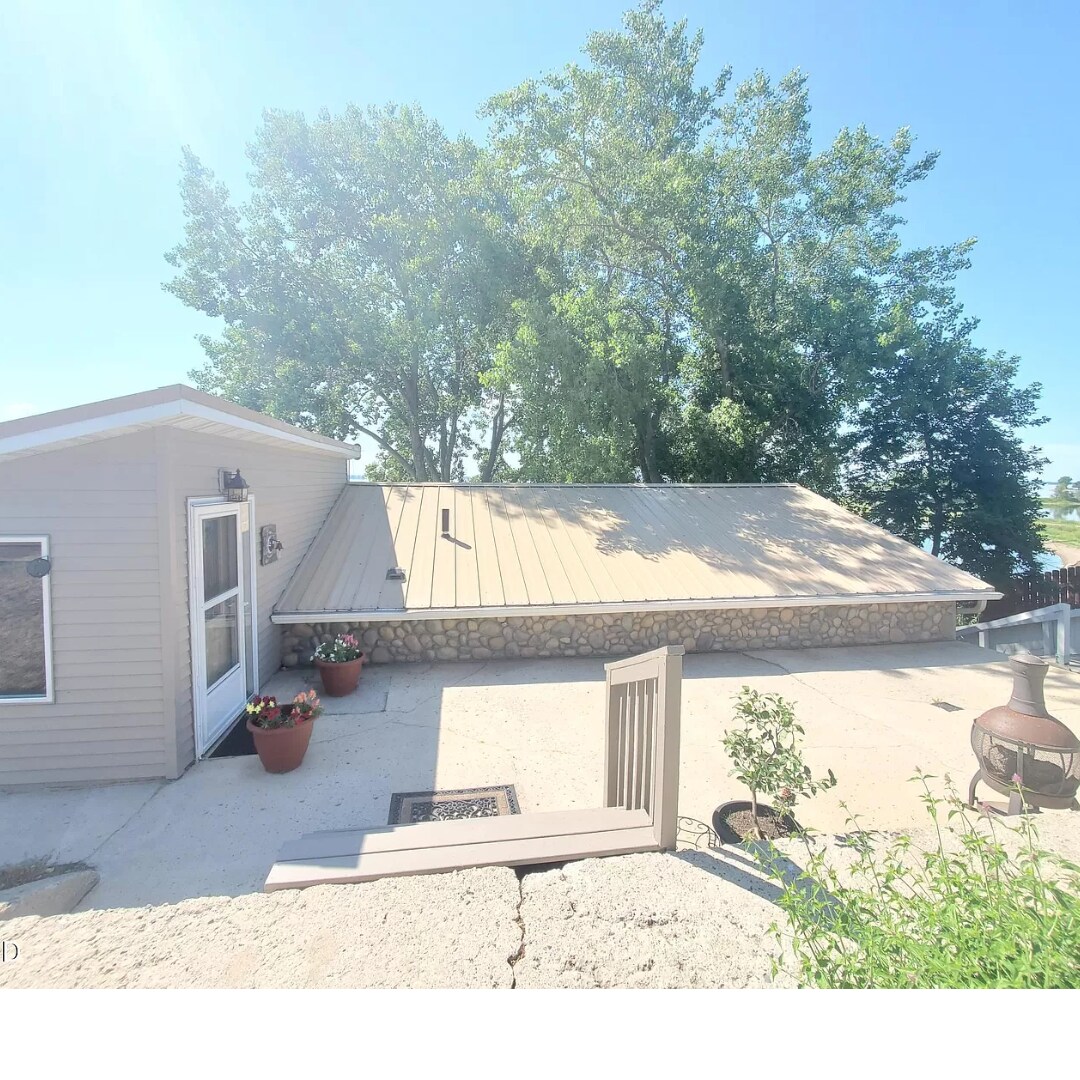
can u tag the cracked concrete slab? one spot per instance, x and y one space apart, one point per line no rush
537 724
450 930
55 895
67 824
693 919
370 696
698 918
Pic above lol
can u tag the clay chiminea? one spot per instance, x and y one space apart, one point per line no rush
1021 746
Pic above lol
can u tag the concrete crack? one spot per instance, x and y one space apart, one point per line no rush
513 959
393 716
845 706
131 817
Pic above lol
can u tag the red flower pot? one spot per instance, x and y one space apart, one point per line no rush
340 679
281 749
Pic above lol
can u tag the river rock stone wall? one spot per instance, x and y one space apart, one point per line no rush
619 634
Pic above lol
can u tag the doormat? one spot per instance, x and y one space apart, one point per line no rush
409 807
237 742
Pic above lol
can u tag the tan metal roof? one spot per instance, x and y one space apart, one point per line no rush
178 405
533 549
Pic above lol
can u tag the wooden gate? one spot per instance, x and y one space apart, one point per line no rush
641 758
640 811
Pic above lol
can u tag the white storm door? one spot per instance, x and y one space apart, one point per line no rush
218 605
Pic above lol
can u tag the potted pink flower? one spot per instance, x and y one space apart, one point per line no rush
339 662
281 732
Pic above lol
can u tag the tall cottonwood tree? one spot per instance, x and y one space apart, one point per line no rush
365 285
722 282
597 161
938 459
647 275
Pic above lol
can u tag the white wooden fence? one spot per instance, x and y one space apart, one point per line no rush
641 757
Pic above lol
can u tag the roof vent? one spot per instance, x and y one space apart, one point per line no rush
446 522
395 573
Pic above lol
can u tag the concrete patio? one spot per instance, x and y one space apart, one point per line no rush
869 714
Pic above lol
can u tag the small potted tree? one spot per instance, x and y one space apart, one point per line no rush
281 732
767 756
339 662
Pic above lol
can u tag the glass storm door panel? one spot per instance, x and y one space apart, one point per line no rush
219 655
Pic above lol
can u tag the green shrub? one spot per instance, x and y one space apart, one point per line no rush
980 909
767 753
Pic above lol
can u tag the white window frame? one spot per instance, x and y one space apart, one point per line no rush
46 596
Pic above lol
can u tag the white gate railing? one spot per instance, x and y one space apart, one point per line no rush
1046 631
641 757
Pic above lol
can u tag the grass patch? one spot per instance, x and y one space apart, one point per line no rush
23 873
1059 504
1063 532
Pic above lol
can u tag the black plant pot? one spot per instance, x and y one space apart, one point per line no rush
727 835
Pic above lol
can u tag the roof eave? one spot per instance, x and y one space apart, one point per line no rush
534 610
162 412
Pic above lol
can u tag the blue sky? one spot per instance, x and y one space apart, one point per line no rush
99 97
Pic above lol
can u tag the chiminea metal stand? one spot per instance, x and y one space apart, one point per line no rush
1025 753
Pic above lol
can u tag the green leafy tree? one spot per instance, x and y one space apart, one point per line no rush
1063 489
598 161
720 285
792 256
647 274
939 459
365 286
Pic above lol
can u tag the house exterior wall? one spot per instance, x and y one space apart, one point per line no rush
293 489
108 721
115 511
717 630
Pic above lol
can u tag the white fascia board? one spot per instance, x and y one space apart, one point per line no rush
423 614
163 412
205 412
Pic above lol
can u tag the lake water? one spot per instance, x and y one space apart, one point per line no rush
1062 513
1057 513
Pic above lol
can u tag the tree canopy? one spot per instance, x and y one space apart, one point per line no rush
364 286
643 274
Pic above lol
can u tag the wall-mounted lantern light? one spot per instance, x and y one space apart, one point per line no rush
236 487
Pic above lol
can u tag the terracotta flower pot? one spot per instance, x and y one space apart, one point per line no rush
281 749
340 679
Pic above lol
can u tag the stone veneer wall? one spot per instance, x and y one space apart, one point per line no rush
723 630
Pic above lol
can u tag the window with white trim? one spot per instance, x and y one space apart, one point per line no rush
25 645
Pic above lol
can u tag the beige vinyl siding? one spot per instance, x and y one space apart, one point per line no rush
98 505
293 488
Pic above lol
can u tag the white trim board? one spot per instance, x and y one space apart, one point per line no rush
536 610
162 413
